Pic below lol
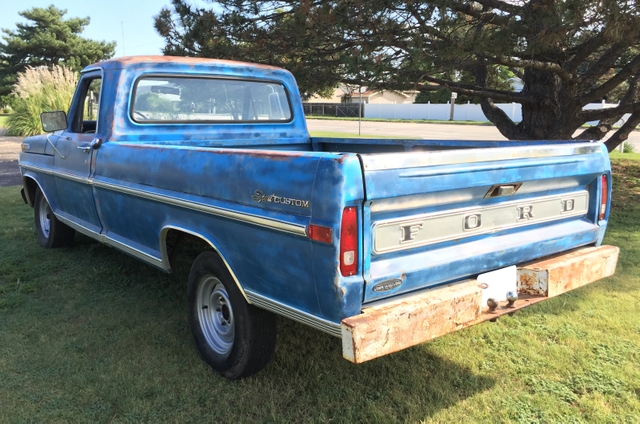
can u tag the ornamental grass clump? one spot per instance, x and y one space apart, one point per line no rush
40 90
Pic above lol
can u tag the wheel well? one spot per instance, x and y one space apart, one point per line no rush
180 248
31 185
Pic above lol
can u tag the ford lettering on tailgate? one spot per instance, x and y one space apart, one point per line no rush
425 229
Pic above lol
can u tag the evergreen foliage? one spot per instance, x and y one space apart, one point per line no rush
47 39
568 53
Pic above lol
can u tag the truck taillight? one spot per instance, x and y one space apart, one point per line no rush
349 242
604 190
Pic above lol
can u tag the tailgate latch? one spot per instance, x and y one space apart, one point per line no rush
499 190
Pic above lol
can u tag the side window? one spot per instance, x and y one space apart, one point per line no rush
86 119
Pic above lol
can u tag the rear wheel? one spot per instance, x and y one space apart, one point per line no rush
49 230
233 337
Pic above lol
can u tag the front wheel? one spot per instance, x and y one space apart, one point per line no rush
233 337
49 230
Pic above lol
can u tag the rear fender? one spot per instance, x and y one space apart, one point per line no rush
165 255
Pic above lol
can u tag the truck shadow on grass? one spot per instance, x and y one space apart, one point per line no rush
307 378
412 384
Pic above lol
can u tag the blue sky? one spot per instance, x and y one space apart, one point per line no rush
107 20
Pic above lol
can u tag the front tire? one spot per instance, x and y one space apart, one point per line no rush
50 231
233 337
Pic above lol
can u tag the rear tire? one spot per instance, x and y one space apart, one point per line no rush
50 231
233 337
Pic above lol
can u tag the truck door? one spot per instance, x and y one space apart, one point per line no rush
77 158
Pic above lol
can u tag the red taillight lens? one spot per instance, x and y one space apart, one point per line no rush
603 198
349 242
320 233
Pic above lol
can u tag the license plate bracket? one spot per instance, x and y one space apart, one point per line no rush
496 284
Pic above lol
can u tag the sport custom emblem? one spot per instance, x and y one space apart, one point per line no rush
260 197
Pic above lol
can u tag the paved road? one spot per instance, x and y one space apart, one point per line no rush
426 131
9 171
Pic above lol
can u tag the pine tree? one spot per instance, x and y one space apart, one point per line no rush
46 39
568 53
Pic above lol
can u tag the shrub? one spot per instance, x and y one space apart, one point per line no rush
628 148
40 90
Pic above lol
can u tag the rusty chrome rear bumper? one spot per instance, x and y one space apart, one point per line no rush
413 319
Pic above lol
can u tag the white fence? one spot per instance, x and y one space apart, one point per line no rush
461 112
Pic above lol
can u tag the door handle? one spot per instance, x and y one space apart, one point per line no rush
85 149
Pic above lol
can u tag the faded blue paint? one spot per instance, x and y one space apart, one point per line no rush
221 165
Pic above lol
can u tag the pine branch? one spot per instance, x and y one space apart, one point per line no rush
532 64
625 73
473 90
509 7
500 119
425 27
623 133
599 114
601 66
597 132
582 51
468 9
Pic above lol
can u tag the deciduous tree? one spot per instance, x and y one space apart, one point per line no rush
568 53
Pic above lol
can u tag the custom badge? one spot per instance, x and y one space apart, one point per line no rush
387 285
260 197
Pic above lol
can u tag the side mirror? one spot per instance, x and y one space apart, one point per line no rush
53 121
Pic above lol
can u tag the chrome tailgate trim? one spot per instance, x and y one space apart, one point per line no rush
380 162
425 229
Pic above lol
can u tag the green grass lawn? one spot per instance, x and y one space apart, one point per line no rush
3 121
89 334
628 156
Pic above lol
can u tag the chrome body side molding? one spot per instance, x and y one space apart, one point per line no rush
136 253
270 223
329 327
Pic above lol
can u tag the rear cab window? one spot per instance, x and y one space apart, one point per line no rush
175 99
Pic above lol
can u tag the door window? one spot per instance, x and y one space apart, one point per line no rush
86 120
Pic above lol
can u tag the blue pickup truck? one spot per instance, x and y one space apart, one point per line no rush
382 243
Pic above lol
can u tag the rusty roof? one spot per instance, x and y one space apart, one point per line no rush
178 60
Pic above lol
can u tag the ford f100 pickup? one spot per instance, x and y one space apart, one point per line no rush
384 244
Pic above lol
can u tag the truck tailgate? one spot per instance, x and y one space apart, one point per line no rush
441 216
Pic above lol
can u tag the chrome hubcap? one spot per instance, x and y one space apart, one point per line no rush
44 215
216 315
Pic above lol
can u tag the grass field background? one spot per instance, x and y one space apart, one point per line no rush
90 334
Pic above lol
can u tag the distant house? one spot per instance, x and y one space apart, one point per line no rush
345 94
